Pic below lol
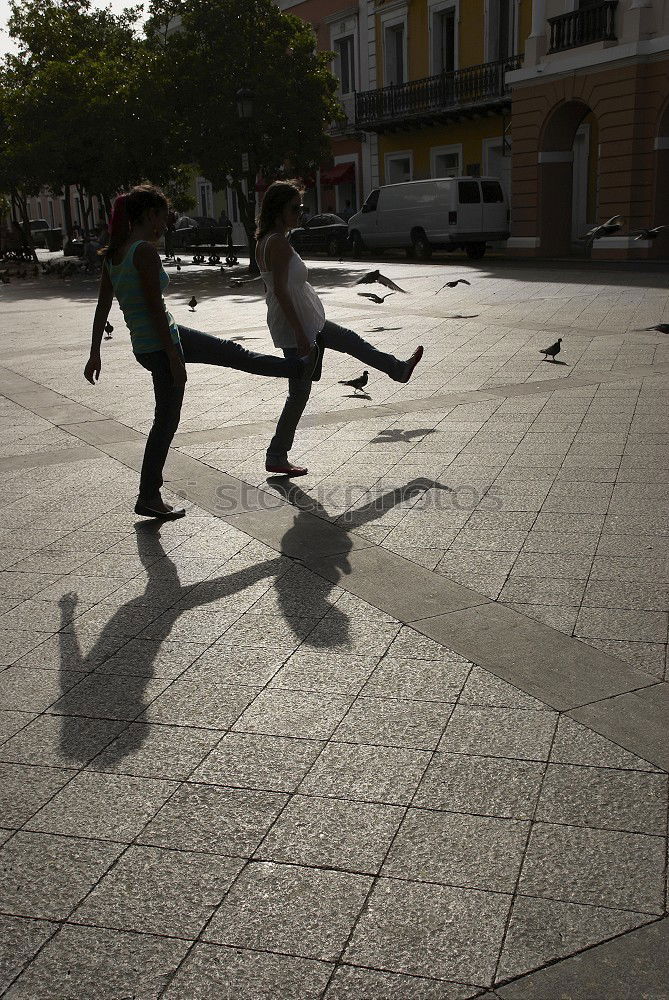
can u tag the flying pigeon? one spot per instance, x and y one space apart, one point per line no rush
552 351
192 304
649 234
607 228
108 331
375 298
452 284
357 383
375 277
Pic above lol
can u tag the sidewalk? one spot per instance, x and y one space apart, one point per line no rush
399 730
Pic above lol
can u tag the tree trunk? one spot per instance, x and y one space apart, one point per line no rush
86 202
67 213
247 215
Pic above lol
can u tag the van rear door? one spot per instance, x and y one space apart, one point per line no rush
470 208
495 209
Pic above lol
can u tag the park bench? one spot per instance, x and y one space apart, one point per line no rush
212 243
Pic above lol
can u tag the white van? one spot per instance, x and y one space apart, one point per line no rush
447 213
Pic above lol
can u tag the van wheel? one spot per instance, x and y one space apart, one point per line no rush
421 246
475 250
357 244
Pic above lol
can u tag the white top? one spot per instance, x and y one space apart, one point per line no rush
308 306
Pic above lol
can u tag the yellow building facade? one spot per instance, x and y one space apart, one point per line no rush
440 105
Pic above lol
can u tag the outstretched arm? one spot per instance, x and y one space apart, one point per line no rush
105 298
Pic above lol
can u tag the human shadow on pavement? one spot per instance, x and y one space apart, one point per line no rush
157 609
335 630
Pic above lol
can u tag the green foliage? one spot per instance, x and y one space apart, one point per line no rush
90 101
220 46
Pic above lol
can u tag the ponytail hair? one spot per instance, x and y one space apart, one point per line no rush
277 196
128 210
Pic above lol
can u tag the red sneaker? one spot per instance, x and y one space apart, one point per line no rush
411 364
285 469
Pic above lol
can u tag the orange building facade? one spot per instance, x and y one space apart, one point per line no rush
590 126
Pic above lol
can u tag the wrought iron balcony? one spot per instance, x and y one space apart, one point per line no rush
468 92
596 23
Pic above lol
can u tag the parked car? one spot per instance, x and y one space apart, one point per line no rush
447 213
38 229
195 222
327 233
197 230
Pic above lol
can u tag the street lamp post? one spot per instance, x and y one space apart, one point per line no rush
245 113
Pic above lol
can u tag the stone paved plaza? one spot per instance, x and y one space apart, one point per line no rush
398 730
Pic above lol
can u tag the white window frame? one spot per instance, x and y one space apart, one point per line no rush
342 27
390 20
492 41
398 154
202 182
436 151
436 7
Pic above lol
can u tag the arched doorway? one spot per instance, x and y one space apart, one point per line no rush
561 214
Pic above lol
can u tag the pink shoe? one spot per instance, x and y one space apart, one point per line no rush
411 364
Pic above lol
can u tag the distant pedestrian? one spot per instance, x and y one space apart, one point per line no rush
347 212
133 272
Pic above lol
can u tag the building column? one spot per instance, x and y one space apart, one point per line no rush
638 22
536 44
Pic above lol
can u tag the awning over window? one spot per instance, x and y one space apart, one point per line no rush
341 173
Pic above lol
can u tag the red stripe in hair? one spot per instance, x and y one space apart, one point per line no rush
119 226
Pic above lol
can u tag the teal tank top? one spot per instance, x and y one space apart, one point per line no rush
128 290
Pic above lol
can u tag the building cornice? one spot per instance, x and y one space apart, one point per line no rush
645 50
341 15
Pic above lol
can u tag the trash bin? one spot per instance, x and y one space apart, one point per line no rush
54 239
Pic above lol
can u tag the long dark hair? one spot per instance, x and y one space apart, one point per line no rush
127 210
277 196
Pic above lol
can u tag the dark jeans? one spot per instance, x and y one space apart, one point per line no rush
336 338
197 348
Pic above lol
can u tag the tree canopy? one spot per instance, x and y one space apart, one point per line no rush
89 100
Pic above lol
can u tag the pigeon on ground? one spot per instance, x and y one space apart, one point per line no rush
192 304
607 228
462 316
357 383
552 351
659 328
649 234
452 284
375 277
108 330
375 298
